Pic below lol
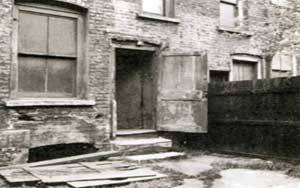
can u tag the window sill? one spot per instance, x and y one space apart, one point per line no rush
234 30
24 102
158 18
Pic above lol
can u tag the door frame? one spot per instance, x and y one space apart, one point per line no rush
113 73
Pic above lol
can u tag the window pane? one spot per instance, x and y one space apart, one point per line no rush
276 62
219 76
153 6
286 63
32 74
228 15
61 75
62 36
32 33
278 73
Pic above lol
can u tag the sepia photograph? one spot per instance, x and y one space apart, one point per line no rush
150 93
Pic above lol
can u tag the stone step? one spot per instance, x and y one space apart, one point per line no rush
127 144
137 133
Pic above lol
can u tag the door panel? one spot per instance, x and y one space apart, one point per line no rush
182 102
129 93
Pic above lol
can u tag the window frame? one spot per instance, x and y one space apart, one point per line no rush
80 86
236 4
247 58
292 71
168 9
215 72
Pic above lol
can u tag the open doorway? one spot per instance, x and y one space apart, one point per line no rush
134 89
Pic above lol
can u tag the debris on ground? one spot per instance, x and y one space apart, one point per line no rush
157 170
75 174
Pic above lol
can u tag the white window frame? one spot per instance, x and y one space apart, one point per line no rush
240 13
166 5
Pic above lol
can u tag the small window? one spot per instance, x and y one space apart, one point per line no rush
282 65
228 13
283 3
218 76
244 70
159 7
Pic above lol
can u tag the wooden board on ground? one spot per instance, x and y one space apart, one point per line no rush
100 166
73 159
80 174
67 160
83 184
156 156
18 175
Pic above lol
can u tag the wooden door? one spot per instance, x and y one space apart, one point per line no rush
182 89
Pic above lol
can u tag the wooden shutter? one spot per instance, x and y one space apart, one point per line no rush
170 8
182 102
243 70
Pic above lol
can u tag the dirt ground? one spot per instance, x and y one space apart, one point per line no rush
212 170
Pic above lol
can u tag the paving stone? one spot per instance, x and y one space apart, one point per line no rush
245 178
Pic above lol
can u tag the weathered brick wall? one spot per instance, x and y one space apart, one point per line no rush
197 30
59 125
260 117
106 19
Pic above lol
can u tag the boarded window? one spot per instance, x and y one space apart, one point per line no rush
228 14
244 70
218 76
282 65
48 52
159 7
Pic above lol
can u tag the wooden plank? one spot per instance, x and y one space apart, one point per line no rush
156 156
65 160
82 184
99 166
170 8
139 142
73 159
18 175
69 175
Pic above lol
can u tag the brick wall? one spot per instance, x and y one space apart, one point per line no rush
197 30
108 19
59 125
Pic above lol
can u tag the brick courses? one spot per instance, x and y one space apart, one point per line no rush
107 19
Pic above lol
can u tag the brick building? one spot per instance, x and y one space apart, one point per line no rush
70 67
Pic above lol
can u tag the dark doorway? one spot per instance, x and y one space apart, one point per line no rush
134 89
